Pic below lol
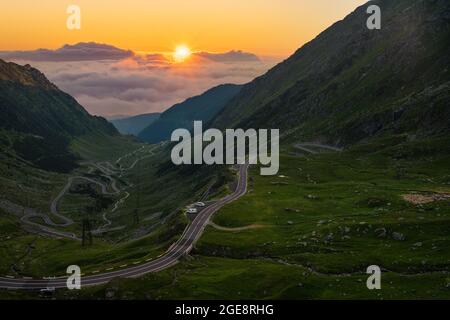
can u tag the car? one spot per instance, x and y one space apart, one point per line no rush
200 204
192 210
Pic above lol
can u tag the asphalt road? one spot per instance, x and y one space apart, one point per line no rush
107 172
181 248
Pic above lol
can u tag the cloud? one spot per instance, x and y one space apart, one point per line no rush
232 56
142 83
83 51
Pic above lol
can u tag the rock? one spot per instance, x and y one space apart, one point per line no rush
329 237
111 293
398 236
381 232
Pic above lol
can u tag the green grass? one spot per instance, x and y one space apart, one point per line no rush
50 257
99 146
321 226
321 230
160 189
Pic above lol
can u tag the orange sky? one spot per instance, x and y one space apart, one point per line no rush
264 27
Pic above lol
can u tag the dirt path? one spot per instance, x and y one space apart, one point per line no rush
250 227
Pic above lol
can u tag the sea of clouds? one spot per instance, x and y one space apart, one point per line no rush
112 82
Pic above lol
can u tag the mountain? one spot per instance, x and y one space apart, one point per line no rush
38 120
203 107
83 51
352 83
234 55
134 125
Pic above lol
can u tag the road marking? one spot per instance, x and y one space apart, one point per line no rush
186 240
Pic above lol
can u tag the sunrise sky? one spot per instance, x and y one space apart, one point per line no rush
124 61
265 27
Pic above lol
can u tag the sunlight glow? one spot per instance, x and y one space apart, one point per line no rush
181 53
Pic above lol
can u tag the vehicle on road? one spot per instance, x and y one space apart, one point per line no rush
200 204
192 210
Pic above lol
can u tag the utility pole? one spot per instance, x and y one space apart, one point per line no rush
27 196
87 234
138 195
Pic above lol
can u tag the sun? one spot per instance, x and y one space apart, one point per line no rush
181 53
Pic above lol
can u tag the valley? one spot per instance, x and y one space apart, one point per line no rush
321 222
361 120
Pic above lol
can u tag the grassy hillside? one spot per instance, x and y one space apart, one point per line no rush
39 121
311 232
350 83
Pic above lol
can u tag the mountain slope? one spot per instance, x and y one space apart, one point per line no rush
134 125
38 121
203 107
351 83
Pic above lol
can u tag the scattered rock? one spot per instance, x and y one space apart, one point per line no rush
381 232
398 236
110 293
329 237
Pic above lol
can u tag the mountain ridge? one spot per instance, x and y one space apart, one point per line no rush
39 120
351 83
182 115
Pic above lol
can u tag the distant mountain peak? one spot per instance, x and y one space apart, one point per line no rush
233 55
25 75
82 51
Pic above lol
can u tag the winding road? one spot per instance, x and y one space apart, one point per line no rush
179 249
29 213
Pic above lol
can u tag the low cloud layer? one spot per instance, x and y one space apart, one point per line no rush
130 84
